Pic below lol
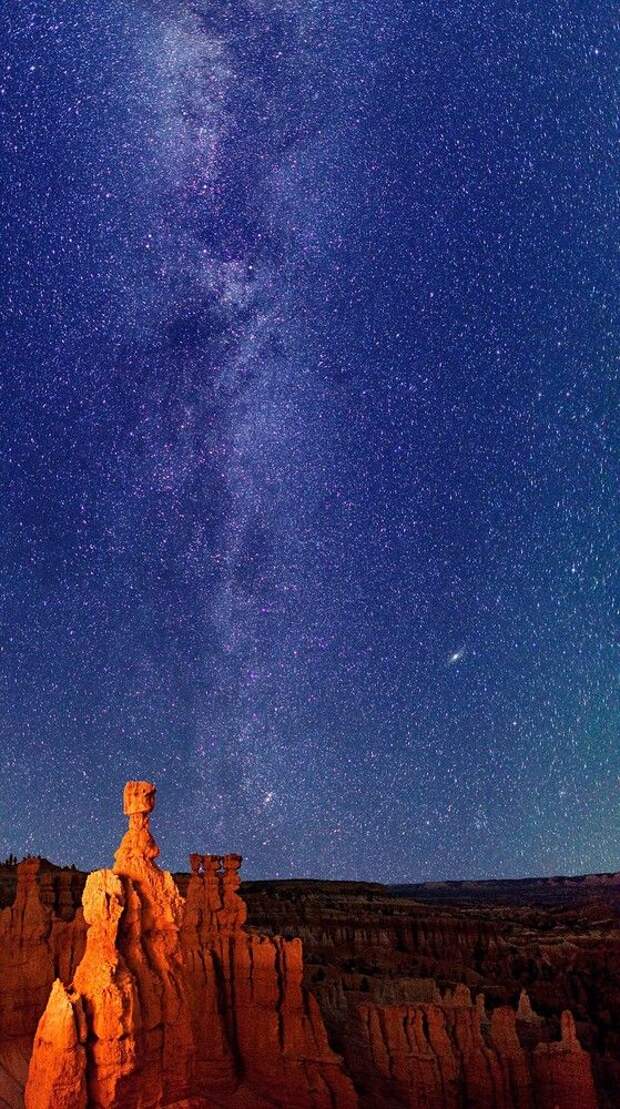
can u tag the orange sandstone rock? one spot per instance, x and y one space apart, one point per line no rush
174 1004
149 942
512 1057
562 1071
109 995
216 1066
41 937
139 1043
26 961
266 1027
57 1077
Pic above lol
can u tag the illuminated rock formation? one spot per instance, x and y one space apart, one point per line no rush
218 1016
57 1076
129 985
216 1067
148 940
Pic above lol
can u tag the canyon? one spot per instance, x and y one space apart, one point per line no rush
133 987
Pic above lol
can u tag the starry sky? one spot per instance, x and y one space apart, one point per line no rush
308 503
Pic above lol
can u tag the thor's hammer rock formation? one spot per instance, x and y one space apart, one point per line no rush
173 1004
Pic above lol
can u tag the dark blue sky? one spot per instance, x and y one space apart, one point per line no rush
309 502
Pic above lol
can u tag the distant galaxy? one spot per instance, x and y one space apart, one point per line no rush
308 506
456 656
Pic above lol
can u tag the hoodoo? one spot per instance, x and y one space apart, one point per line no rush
173 1003
131 1017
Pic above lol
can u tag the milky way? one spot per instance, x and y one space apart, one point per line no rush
307 504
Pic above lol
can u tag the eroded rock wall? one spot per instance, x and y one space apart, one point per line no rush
364 944
449 1054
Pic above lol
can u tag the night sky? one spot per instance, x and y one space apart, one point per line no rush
309 498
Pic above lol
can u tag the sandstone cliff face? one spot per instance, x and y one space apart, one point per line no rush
158 993
449 1054
57 1075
